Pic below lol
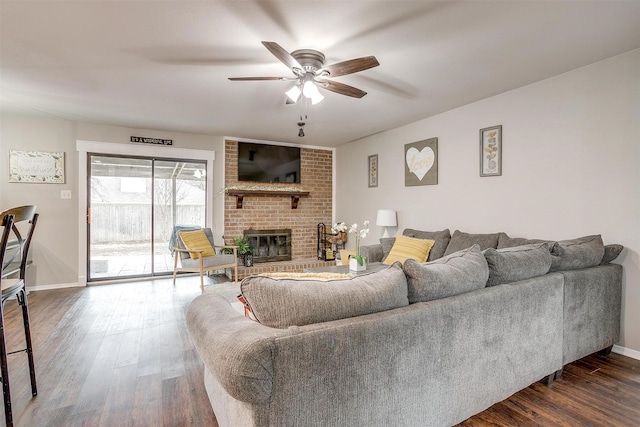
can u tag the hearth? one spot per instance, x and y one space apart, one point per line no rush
270 245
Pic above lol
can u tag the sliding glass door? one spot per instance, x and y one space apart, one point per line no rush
133 205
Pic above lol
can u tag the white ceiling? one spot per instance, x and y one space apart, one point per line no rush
163 65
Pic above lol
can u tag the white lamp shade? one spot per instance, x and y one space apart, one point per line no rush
386 218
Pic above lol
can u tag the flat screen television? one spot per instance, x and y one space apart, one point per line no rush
268 163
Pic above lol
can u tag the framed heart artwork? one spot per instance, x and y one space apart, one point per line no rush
421 163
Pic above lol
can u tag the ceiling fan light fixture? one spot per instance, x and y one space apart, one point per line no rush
310 89
316 98
310 71
294 93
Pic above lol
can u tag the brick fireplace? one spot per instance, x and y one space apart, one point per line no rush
274 211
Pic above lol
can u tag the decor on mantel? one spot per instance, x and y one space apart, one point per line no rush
386 218
421 163
357 262
262 187
491 151
242 190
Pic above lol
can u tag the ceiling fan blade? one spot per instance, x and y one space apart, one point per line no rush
342 88
349 67
284 56
244 79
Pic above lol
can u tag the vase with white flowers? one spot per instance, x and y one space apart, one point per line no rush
357 262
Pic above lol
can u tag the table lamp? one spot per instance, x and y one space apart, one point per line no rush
386 218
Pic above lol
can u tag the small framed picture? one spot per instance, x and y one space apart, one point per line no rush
373 170
491 151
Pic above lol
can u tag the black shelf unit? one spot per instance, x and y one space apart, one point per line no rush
328 243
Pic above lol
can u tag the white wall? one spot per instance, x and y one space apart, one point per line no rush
55 246
570 168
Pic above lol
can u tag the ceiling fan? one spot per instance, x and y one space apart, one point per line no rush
311 73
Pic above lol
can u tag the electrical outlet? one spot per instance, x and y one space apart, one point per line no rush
65 194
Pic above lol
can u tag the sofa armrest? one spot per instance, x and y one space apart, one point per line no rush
592 307
372 252
235 349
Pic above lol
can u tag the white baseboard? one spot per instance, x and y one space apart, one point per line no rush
54 286
634 354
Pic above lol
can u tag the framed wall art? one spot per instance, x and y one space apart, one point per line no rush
373 170
42 167
421 163
491 151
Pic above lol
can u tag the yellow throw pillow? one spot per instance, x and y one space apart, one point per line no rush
409 247
197 241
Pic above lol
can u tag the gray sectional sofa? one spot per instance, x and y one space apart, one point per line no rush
424 343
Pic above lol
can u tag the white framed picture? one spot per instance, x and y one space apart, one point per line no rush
39 167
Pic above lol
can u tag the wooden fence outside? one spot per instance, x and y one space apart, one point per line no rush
130 223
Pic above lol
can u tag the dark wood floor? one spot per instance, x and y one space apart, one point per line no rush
109 355
119 355
594 391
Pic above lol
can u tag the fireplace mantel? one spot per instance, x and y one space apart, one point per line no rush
240 194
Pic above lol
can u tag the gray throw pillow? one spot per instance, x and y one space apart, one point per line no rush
611 252
387 244
460 272
504 241
283 302
518 263
461 240
573 254
442 239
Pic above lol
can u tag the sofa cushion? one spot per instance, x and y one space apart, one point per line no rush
573 254
460 272
280 302
442 239
208 262
518 263
611 252
405 248
461 240
504 241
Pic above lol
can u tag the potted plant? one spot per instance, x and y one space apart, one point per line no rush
357 262
245 250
